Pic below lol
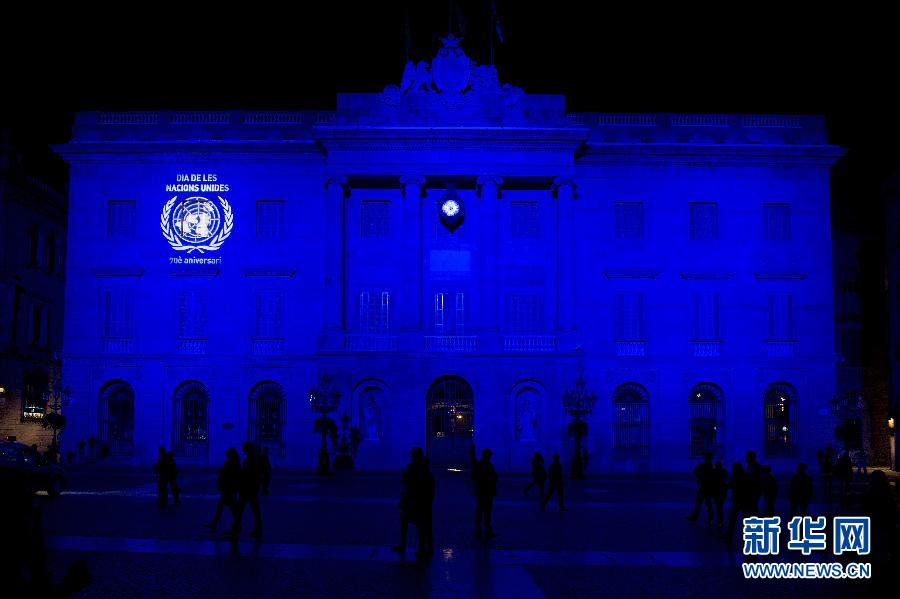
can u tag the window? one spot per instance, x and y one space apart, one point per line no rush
38 325
630 317
267 415
269 314
191 419
631 421
34 398
704 220
629 220
449 313
526 314
192 306
374 311
120 219
374 220
706 408
781 320
117 417
269 219
780 419
117 314
706 317
525 220
777 222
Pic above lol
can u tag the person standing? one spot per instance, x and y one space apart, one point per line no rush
719 491
249 491
844 472
703 472
769 486
744 498
538 474
800 492
410 502
556 484
229 483
166 474
485 477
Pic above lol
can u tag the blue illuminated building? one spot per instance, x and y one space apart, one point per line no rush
453 253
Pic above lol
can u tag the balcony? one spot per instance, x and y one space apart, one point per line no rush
628 349
268 346
191 346
529 343
369 342
118 345
451 343
706 349
781 348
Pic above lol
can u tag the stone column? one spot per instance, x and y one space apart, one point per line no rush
565 257
412 261
334 254
491 299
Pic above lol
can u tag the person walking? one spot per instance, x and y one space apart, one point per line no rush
800 492
416 501
229 483
719 491
166 474
843 470
556 484
744 498
485 477
538 474
703 472
249 492
769 486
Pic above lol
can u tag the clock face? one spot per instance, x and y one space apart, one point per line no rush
450 207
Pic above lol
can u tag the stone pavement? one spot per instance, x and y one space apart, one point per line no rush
332 537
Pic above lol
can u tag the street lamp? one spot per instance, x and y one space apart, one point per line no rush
324 399
578 403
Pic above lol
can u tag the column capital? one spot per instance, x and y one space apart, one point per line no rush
412 180
489 180
335 180
563 182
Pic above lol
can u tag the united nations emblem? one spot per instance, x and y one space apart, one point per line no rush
196 223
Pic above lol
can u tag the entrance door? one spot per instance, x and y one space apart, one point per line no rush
451 422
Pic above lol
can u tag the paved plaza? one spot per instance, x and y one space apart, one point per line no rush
332 537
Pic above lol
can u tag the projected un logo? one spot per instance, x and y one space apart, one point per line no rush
196 223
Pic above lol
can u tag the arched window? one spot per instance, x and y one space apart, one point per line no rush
370 412
526 404
267 415
117 417
780 404
191 414
706 407
631 420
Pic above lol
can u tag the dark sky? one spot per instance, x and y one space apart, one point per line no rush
735 57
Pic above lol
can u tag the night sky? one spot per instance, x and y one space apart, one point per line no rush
750 57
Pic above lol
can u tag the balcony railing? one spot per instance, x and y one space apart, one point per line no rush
781 348
631 348
451 343
191 346
529 343
370 342
268 346
707 349
118 345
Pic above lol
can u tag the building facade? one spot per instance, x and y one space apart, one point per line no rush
32 282
452 254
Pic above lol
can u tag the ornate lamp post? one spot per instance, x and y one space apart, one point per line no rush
56 398
324 399
578 403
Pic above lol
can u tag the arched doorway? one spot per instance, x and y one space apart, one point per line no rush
117 417
450 420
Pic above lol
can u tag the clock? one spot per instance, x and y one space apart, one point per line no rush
450 209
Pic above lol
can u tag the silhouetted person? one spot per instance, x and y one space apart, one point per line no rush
744 500
826 466
754 481
800 492
555 473
862 461
265 470
485 477
881 508
719 491
769 487
229 484
416 501
843 470
166 475
538 474
249 491
703 472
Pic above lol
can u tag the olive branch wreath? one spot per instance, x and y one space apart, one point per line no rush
214 244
